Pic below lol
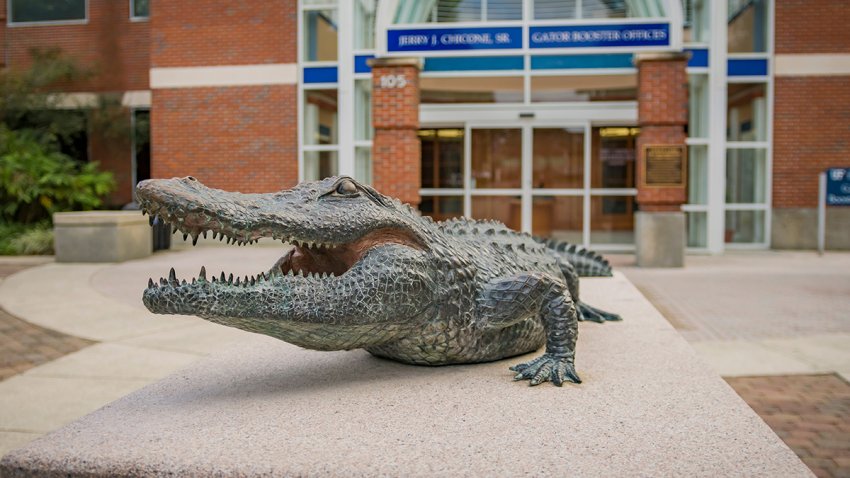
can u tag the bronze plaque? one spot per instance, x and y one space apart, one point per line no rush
664 165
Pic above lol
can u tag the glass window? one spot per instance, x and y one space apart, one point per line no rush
442 157
559 217
603 9
471 90
320 165
141 8
746 176
363 110
363 164
364 24
441 208
23 11
612 219
320 35
558 158
698 174
744 226
747 30
554 9
505 209
698 108
697 15
460 10
584 88
697 229
746 112
496 158
320 117
612 163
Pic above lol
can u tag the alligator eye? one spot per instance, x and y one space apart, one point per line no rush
346 188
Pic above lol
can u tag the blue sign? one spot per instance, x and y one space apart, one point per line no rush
838 187
454 39
587 36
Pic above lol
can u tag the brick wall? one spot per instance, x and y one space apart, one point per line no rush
811 132
116 48
113 152
811 118
241 138
235 138
396 150
223 32
812 26
662 115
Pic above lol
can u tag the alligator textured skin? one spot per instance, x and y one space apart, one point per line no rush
370 272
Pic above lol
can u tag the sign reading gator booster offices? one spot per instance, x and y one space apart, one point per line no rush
476 40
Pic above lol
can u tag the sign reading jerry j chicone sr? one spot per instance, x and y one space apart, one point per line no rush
427 39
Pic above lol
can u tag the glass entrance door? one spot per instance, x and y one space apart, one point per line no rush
570 182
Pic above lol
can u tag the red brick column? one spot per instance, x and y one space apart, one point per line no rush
662 116
396 155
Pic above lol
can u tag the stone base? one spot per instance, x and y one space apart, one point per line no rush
798 228
660 239
101 236
648 406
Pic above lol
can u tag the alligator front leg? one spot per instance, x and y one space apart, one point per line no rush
506 301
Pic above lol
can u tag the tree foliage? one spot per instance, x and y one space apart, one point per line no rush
37 180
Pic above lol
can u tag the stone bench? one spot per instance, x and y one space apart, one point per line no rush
648 406
101 236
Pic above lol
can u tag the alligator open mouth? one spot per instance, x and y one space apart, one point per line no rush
308 258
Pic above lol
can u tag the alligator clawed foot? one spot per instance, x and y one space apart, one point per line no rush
547 367
592 314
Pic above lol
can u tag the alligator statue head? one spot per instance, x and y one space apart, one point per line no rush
356 275
367 271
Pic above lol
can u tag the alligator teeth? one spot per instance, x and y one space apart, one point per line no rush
172 276
230 279
237 281
162 282
185 236
203 274
151 284
194 239
183 282
205 234
222 278
214 234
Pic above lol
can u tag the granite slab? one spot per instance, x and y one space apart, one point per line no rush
648 406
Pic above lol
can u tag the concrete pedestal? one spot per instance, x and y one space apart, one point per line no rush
648 406
660 239
101 236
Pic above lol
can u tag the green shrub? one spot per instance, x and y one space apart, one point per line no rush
35 240
8 233
37 180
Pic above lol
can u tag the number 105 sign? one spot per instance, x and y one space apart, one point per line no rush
392 81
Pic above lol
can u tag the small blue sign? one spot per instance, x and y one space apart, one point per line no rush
838 187
587 36
454 39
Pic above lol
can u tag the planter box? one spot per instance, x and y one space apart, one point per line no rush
101 236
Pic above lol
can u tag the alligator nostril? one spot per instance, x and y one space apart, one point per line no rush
191 178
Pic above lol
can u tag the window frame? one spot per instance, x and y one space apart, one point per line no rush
136 18
13 24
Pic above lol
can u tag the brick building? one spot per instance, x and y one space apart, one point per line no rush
564 118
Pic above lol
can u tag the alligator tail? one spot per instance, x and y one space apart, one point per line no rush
587 263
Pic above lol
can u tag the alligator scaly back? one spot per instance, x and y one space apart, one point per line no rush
586 262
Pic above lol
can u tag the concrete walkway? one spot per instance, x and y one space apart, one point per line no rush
759 313
754 314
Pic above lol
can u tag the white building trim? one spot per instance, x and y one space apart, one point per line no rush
231 75
821 64
137 99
